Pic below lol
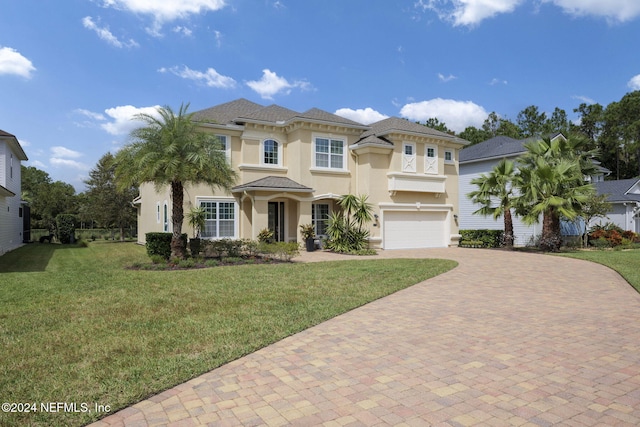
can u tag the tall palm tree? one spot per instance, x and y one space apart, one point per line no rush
495 195
171 150
552 182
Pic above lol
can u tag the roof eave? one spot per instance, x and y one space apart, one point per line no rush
282 189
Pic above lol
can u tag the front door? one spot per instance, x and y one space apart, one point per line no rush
276 220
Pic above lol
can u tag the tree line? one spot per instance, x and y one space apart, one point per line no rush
614 130
102 205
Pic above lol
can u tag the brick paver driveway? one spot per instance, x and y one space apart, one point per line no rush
504 339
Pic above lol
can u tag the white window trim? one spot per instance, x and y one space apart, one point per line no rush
315 167
271 165
404 156
158 214
227 146
166 219
453 157
313 208
236 216
426 159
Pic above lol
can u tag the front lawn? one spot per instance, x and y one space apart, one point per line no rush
626 262
77 327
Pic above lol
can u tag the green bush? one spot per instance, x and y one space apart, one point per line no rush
66 224
160 244
486 238
281 250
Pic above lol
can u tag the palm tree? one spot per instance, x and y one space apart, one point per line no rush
552 182
495 195
171 150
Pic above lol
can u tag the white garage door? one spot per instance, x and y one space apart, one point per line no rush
413 230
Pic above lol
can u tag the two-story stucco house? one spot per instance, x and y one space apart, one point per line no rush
11 207
292 168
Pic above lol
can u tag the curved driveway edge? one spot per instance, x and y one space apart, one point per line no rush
504 339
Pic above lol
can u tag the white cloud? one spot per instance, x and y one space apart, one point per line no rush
12 62
187 32
106 35
612 10
218 36
496 81
164 11
62 157
634 83
584 99
123 118
210 77
37 163
446 79
66 163
468 12
59 151
90 114
362 115
24 143
271 84
457 115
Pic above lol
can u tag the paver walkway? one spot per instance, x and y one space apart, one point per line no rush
505 339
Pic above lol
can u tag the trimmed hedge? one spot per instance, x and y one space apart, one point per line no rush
481 238
160 244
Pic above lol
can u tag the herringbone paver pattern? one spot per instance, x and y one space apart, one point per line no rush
505 339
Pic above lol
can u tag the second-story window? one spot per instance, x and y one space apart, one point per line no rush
270 152
222 143
329 153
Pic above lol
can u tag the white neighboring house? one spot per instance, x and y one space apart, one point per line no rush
481 159
11 206
624 196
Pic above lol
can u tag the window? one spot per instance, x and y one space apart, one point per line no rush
220 220
158 212
270 152
11 167
408 158
319 217
329 153
222 143
165 218
448 156
431 159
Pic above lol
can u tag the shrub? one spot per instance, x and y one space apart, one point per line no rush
159 244
600 243
265 236
66 224
482 238
186 263
613 234
281 250
211 263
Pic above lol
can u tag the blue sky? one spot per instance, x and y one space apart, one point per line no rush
74 72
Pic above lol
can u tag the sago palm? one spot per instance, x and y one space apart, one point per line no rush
171 150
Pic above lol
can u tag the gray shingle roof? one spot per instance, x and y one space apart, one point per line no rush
324 116
378 130
226 113
272 114
14 143
273 183
496 147
617 190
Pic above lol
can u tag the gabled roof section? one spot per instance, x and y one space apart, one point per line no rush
14 144
496 147
271 114
227 113
499 147
273 183
619 190
319 115
379 131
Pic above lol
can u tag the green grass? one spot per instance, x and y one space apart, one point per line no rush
626 262
76 326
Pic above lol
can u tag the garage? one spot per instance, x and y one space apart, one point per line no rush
414 229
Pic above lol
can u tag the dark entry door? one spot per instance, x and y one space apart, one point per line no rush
276 220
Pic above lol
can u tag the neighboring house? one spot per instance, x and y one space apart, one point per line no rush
481 159
292 168
12 209
624 196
